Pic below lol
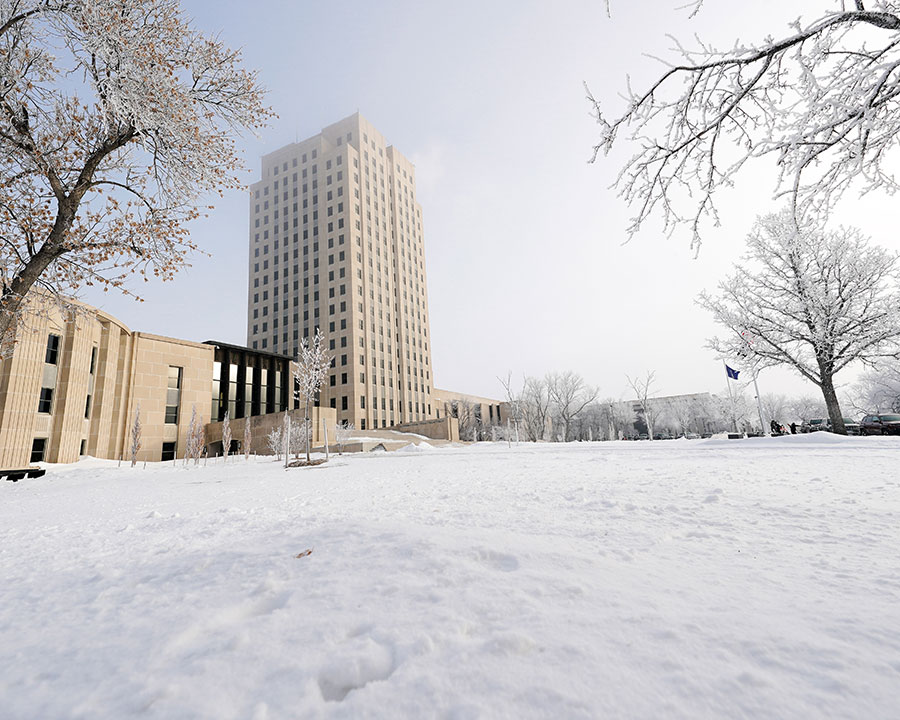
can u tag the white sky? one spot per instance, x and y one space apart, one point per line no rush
526 265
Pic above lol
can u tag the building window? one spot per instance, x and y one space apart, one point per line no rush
232 390
173 395
83 449
248 391
38 447
168 451
52 356
216 392
45 403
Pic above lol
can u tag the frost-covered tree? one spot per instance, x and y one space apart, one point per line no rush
570 395
194 437
643 388
135 435
226 436
807 407
535 408
201 443
621 417
464 412
248 438
116 124
684 413
815 301
822 100
774 407
275 442
310 371
344 431
878 389
514 401
301 436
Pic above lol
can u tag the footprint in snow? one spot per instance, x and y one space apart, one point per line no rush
358 662
497 561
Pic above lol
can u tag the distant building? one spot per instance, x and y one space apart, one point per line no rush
336 243
476 415
76 378
676 414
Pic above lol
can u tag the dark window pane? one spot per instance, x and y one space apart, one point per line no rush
45 403
168 451
52 356
38 446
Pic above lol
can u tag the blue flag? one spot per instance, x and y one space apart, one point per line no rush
732 373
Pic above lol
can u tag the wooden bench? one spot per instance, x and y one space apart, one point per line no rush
16 475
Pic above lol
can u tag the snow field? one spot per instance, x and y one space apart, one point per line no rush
672 579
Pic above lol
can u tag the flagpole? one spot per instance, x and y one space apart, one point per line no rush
731 395
762 426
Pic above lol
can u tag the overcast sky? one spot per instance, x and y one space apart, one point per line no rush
527 270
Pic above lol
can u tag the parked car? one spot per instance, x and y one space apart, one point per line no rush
815 425
880 425
851 426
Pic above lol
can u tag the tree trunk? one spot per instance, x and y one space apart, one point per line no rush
834 408
307 429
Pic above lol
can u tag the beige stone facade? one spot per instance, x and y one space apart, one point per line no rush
262 425
336 242
475 415
75 379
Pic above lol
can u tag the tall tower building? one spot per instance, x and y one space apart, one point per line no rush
336 243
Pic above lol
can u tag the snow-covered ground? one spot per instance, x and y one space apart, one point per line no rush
679 579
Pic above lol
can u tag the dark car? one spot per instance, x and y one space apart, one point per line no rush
815 425
880 425
851 426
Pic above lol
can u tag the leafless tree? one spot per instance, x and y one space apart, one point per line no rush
878 390
642 388
248 438
194 437
774 407
464 412
136 435
815 301
275 442
301 437
823 100
309 373
621 418
807 407
685 412
514 400
344 432
535 408
569 395
226 436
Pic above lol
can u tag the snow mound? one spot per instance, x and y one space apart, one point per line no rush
817 438
413 448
